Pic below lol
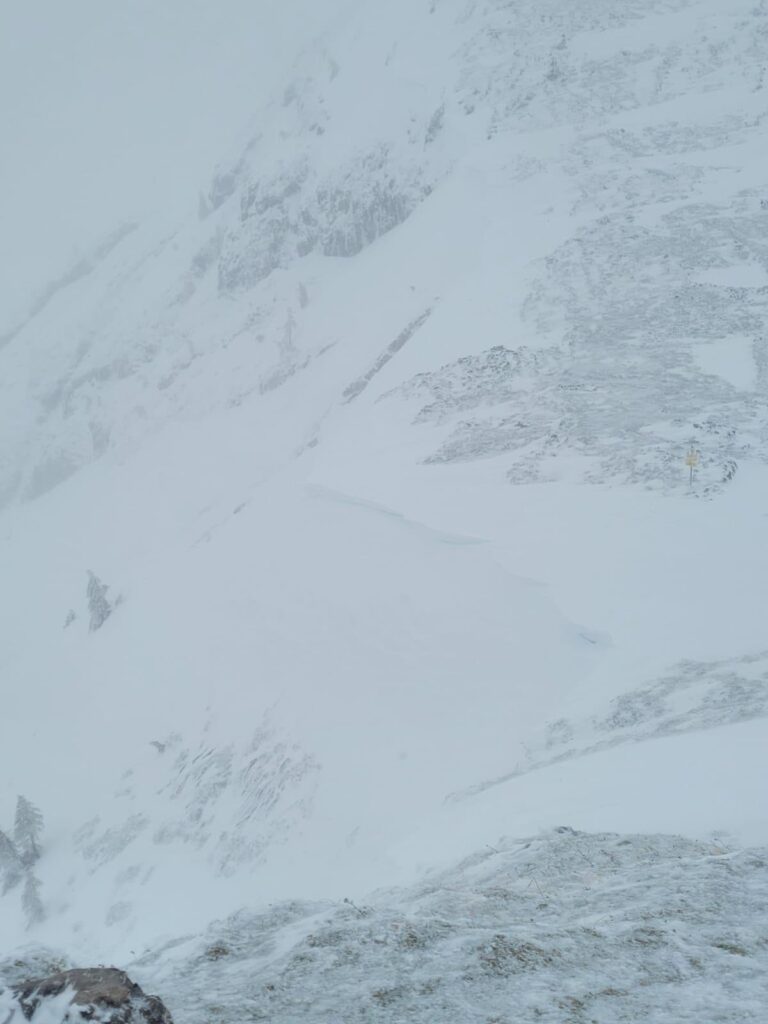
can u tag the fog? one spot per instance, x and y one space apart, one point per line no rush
118 111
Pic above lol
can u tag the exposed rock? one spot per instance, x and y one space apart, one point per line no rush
99 994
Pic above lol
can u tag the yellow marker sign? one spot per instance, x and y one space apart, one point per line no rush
692 460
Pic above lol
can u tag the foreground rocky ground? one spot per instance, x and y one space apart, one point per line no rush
101 994
565 927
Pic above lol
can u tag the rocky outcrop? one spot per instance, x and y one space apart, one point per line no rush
102 994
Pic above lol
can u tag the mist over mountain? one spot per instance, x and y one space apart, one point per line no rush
383 475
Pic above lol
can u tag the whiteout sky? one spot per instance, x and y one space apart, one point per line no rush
111 111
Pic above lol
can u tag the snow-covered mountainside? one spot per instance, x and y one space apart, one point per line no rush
347 537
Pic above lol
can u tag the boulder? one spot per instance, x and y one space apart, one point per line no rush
100 994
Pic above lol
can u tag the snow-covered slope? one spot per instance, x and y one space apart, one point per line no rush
382 451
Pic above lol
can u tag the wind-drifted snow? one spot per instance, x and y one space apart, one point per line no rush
564 926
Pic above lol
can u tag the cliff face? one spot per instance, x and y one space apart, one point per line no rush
607 154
